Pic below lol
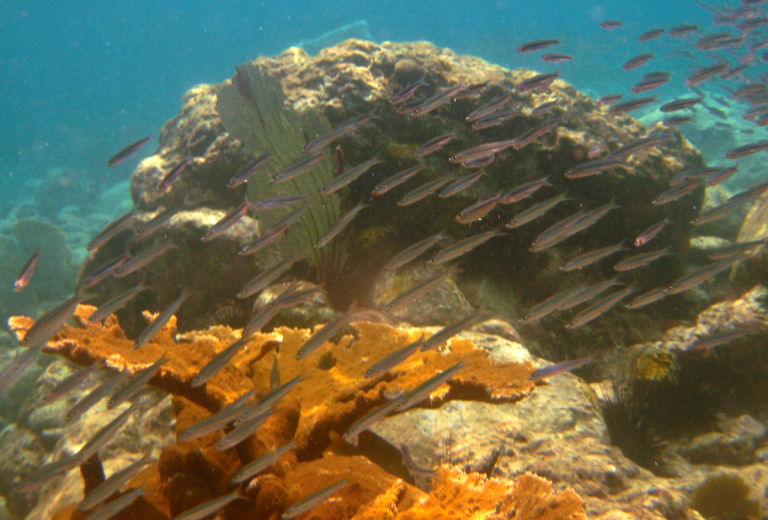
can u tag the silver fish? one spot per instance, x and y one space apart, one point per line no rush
345 128
591 257
446 333
488 108
560 368
113 484
414 251
422 391
495 119
137 384
86 402
50 322
700 275
32 481
226 222
298 166
314 500
258 322
641 260
463 246
266 277
599 308
219 361
676 193
158 323
419 289
271 398
588 293
104 271
167 182
524 191
737 249
362 424
262 463
208 508
424 191
434 144
320 337
709 343
27 271
478 210
595 167
396 180
111 509
647 298
536 211
143 259
276 203
104 435
68 384
343 222
274 233
111 231
650 233
349 175
217 421
248 171
568 227
243 431
461 184
128 151
394 359
14 370
116 303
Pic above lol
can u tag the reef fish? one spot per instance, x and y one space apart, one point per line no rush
248 171
537 45
137 384
394 359
652 231
262 463
26 273
266 277
641 260
591 257
70 383
463 246
113 484
116 303
414 251
104 435
128 151
47 325
210 507
158 323
559 368
343 222
314 500
167 182
536 211
396 180
349 175
599 308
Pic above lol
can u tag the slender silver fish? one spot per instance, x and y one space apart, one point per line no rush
478 210
276 203
419 289
394 359
128 151
226 222
422 391
13 370
589 292
446 333
641 260
111 509
104 271
104 435
424 191
68 384
116 303
210 507
219 361
347 127
461 184
86 402
595 167
599 308
266 277
525 190
26 273
709 343
31 481
548 306
349 175
647 298
142 259
650 233
414 251
158 323
700 275
243 430
320 337
50 322
488 108
434 144
248 171
111 231
343 222
314 500
559 368
257 322
113 484
298 166
396 180
536 211
217 421
137 384
591 257
463 246
271 398
262 463
362 424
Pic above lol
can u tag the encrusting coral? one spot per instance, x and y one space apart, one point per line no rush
332 394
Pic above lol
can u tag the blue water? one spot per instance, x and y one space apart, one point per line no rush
81 79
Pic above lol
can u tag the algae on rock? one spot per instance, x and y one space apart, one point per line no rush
253 109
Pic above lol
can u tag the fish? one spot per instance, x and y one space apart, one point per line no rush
651 232
111 509
298 166
292 297
226 222
490 121
446 333
479 162
167 182
209 507
156 223
116 303
314 500
349 175
641 260
631 105
128 151
548 306
408 92
414 469
556 57
534 133
569 226
347 127
27 271
461 184
113 484
137 384
142 259
434 144
111 231
680 104
599 308
396 180
587 294
104 435
544 108
559 368
50 322
257 466
260 320
595 151
714 213
463 246
437 100
478 210
677 120
525 190
46 472
271 398
608 99
413 251
14 370
368 420
640 144
591 257
266 277
343 222
320 337
651 34
537 83
536 211
423 391
89 400
488 108
637 61
595 167
68 384
705 73
424 191
709 343
276 203
419 289
104 271
537 45
700 275
394 359
676 192
272 234
217 421
158 323
243 430
482 150
611 24
747 149
682 30
737 249
647 298
248 171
